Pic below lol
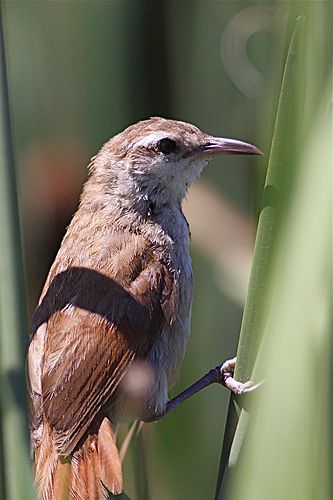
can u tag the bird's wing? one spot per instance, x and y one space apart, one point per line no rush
97 323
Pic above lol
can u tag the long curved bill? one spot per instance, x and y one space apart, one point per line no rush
221 146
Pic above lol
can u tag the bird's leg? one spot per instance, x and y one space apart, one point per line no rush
222 374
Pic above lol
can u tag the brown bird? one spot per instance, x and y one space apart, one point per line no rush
117 301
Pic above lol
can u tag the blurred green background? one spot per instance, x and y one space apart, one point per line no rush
80 71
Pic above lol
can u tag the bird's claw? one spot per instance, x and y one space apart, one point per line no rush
226 372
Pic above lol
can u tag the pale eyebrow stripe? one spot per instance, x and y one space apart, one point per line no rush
149 139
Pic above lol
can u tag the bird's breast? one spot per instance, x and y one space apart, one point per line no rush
168 352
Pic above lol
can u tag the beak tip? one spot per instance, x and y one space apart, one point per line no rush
258 152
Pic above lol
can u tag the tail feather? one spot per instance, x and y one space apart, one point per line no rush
111 470
78 484
46 459
87 475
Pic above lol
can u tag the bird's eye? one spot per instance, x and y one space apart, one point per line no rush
166 146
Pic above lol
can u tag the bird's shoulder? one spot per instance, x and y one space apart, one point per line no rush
127 275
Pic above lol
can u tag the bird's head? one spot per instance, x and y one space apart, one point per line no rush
160 158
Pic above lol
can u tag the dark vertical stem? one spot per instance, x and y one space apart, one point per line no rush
149 60
141 466
230 429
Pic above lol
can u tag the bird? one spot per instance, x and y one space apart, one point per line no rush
116 307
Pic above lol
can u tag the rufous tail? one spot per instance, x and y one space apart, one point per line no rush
86 475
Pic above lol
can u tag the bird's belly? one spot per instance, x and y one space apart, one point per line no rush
168 352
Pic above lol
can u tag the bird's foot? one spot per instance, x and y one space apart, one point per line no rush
226 371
